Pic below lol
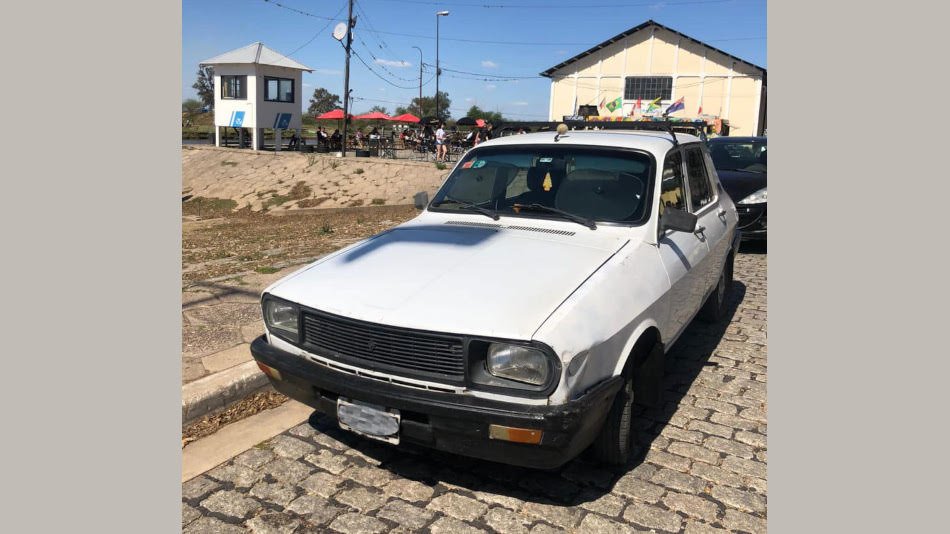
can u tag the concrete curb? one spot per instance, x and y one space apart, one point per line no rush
220 390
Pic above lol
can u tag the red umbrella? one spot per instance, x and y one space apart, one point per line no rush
375 115
335 114
406 117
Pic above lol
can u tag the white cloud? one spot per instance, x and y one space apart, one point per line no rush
489 64
389 63
308 85
520 103
469 99
328 72
490 87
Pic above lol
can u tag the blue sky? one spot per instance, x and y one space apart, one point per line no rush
556 29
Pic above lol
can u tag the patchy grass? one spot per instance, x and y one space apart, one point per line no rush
246 240
266 270
208 207
356 203
300 191
358 170
226 163
379 201
312 202
439 165
274 201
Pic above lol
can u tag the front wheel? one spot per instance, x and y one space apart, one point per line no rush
613 444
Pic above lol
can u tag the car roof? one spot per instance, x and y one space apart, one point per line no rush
653 141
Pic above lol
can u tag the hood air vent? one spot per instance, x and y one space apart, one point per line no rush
513 227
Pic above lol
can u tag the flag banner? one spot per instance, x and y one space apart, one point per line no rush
638 104
655 104
676 106
614 104
602 102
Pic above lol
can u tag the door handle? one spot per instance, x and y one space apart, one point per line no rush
699 230
722 212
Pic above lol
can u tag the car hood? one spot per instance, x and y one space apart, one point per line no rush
496 282
741 184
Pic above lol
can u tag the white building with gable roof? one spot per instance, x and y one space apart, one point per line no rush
256 87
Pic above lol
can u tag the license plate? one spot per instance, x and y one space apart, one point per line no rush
368 420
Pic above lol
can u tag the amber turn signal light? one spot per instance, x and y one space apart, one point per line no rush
517 435
270 371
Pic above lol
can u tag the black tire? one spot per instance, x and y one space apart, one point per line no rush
714 309
612 446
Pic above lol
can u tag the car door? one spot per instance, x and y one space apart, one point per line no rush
682 253
712 219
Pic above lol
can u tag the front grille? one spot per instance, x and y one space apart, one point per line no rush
372 346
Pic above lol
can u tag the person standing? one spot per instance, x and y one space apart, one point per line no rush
440 148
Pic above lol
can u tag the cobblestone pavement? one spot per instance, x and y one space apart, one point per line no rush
701 465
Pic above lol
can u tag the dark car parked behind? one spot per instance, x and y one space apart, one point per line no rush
741 165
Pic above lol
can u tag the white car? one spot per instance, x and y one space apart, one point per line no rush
519 316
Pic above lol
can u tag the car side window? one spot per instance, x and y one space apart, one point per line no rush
671 187
700 192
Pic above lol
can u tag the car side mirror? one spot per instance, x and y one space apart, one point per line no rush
676 219
421 200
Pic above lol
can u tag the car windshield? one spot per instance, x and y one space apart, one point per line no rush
749 156
582 183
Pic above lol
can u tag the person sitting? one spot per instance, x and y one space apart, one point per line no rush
294 141
359 138
322 137
336 138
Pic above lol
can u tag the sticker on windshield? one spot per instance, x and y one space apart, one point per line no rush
478 164
467 165
547 185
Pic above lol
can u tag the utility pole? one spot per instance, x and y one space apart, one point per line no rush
437 70
346 76
420 78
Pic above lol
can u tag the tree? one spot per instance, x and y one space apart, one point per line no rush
476 112
191 106
426 106
378 108
205 85
323 101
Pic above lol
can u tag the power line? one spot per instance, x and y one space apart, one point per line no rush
323 29
299 12
378 75
548 6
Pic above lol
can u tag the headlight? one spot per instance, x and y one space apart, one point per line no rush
519 363
758 197
281 316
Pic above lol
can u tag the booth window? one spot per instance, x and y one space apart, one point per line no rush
234 87
278 89
648 87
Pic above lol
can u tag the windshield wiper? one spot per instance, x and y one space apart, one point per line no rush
484 211
576 218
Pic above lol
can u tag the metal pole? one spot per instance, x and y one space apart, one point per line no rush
437 72
346 75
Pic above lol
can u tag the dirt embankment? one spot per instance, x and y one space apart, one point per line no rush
292 180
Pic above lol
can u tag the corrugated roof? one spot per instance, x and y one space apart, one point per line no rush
256 53
633 30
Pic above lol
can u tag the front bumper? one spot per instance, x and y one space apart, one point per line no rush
450 422
752 220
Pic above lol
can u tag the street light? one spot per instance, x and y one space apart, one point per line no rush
420 77
437 71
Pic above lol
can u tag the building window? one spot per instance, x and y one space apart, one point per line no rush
234 87
278 89
648 87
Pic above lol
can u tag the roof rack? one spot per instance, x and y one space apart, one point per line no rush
697 128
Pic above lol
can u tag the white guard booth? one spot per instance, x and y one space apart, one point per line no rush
256 88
